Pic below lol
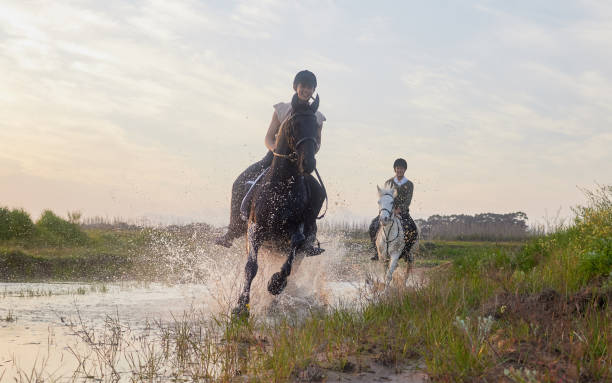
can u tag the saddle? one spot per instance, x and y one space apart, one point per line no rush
246 201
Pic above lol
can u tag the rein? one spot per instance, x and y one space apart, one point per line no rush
293 157
394 218
324 192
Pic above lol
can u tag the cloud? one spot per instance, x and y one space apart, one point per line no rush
162 99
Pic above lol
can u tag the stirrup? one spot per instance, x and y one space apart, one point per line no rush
314 250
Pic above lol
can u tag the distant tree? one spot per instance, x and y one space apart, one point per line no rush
74 217
486 226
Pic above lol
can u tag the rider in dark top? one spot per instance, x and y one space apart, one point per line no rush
304 85
401 206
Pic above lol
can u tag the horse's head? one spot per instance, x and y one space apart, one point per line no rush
301 131
385 204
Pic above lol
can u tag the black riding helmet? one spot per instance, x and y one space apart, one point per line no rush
305 77
401 163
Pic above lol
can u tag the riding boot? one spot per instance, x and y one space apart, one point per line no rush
410 236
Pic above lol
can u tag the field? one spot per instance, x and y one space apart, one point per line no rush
533 311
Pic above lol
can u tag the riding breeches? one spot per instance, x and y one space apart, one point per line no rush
237 226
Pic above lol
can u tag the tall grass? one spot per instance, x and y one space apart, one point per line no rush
462 334
537 313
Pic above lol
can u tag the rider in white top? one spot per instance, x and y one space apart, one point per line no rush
304 85
401 206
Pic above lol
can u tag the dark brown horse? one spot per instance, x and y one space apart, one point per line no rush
287 200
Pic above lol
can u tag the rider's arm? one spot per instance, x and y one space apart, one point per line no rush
270 139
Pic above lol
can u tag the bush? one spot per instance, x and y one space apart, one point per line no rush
594 222
20 224
15 224
4 223
57 231
594 264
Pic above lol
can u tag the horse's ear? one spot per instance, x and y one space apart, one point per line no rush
315 104
294 101
378 188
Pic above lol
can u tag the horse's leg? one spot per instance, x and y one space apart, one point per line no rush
250 270
380 244
278 282
392 266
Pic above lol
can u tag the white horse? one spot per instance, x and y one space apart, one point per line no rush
390 237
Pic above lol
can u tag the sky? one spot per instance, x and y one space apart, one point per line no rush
148 110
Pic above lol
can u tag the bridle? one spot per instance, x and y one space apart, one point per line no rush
293 156
392 216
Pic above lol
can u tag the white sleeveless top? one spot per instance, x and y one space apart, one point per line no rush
283 110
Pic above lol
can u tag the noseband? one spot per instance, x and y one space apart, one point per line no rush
385 209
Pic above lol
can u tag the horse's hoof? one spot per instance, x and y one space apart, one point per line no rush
240 312
277 284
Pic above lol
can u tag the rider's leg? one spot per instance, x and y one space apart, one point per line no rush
392 266
373 230
410 235
237 226
317 195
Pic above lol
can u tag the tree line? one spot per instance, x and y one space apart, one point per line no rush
482 227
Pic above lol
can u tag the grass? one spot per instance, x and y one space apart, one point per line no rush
508 312
106 255
535 312
10 317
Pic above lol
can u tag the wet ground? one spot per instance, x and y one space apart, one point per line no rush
39 322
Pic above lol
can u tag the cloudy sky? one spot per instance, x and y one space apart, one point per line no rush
151 108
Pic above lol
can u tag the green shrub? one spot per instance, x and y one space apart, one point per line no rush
4 223
15 224
20 224
595 263
57 231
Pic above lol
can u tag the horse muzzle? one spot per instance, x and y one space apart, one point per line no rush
308 165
